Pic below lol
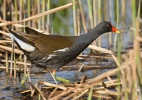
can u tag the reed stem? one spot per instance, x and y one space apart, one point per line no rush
7 64
74 18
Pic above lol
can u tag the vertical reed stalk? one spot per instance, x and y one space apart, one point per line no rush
4 9
29 10
117 20
74 18
11 66
138 58
134 15
7 64
137 52
94 12
48 16
91 19
90 94
139 8
16 18
100 16
116 35
111 17
134 77
25 65
118 38
20 10
78 22
43 17
16 10
14 63
11 63
39 96
82 16
90 13
39 25
123 3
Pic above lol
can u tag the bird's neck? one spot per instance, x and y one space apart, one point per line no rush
91 35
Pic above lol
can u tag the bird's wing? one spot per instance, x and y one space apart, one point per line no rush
51 43
41 45
51 48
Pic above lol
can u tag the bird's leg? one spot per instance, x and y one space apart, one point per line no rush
54 73
53 76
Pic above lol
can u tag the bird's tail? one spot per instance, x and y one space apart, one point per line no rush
21 42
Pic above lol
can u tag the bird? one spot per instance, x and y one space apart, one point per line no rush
55 51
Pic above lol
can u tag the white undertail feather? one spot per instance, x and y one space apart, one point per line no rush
23 45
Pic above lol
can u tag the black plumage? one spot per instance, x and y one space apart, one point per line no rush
54 51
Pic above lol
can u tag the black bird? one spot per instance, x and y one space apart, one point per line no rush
55 51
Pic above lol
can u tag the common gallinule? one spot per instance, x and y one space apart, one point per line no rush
54 51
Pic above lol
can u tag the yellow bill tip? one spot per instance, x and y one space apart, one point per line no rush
117 31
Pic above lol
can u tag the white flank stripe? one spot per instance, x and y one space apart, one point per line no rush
23 45
49 57
62 50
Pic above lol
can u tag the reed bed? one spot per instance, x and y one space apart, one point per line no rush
127 82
